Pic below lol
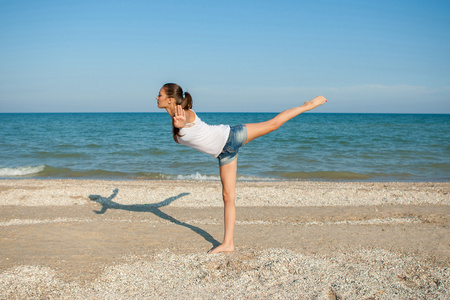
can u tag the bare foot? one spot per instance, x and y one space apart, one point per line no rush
222 248
319 100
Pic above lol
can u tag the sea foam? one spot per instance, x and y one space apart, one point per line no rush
198 176
21 171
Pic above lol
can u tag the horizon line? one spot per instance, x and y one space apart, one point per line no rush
220 112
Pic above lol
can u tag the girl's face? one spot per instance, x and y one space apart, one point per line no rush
163 100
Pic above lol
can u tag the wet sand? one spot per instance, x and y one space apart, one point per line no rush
133 239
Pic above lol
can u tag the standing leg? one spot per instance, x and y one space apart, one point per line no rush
228 177
255 130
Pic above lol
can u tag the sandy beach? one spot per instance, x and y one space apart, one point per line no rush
92 239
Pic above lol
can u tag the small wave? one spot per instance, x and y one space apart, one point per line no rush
21 171
93 146
197 177
68 146
153 151
46 154
78 146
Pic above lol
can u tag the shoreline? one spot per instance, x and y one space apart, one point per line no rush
215 178
134 239
44 172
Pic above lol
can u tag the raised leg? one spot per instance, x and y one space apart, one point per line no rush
228 177
255 130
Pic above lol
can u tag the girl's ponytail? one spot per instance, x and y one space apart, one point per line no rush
187 101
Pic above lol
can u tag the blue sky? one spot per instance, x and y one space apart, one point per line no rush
113 56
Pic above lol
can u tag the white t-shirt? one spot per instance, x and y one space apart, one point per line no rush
209 139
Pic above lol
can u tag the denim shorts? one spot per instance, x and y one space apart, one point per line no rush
236 139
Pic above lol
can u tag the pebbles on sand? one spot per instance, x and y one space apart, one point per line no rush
267 274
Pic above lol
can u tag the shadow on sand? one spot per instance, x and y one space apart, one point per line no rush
154 208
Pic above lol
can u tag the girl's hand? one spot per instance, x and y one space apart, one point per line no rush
179 120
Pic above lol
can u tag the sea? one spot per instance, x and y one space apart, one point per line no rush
312 146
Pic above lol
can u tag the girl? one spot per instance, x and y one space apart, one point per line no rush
220 141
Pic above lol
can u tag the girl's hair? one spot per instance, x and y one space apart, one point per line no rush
175 91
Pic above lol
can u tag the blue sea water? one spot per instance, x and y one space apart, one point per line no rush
313 146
